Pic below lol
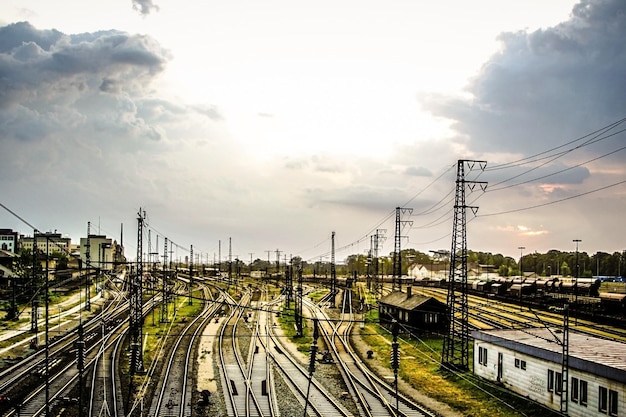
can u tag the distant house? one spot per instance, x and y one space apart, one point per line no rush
6 273
8 240
418 271
432 271
529 362
416 311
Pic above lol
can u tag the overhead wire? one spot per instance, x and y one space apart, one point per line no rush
391 214
491 189
555 201
530 158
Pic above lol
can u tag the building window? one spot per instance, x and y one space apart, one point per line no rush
583 393
579 391
482 356
550 380
519 363
574 390
608 401
603 400
555 383
613 403
558 383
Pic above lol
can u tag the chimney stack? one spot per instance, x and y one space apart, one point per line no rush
408 291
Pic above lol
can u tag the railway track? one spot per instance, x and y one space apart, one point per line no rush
105 393
247 382
310 393
173 391
32 380
373 396
491 314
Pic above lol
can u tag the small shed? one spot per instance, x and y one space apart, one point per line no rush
419 312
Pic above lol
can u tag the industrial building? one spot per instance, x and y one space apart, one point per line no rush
591 382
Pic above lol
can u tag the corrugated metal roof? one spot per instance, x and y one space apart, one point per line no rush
590 354
401 300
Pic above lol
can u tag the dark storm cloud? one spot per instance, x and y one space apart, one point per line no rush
50 81
549 86
145 7
15 35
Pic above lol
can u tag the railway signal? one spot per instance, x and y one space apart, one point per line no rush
313 353
395 357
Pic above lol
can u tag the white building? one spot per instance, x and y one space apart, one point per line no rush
8 240
528 362
101 252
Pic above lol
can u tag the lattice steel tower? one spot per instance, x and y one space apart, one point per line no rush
396 283
136 317
455 353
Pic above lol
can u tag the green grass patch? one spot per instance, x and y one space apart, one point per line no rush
317 295
619 287
287 321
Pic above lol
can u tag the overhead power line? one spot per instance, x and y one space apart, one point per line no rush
555 201
531 158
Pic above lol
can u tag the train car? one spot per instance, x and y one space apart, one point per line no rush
482 286
520 290
498 288
545 285
613 303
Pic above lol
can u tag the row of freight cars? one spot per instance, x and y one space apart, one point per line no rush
542 288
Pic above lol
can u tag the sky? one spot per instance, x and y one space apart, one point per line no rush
273 124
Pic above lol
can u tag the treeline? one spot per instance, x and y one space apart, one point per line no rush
553 262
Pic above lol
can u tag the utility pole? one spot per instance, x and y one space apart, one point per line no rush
278 261
191 275
455 352
333 272
379 237
298 310
165 293
88 265
154 258
288 282
577 241
521 275
267 268
34 306
47 329
230 261
136 304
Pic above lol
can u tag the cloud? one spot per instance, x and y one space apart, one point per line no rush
51 81
547 86
145 7
79 115
46 65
